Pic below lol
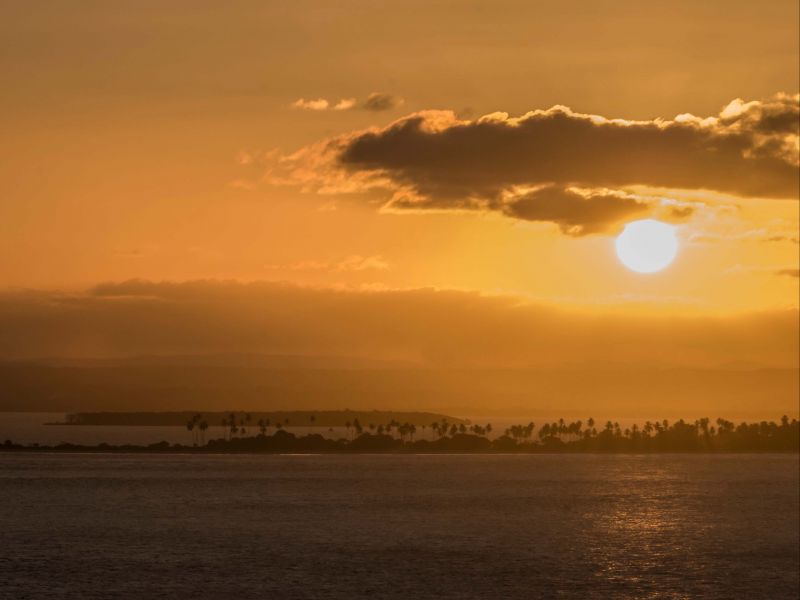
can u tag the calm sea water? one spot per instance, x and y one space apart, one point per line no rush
155 526
30 428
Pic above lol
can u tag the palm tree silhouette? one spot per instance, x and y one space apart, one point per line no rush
190 428
233 425
203 427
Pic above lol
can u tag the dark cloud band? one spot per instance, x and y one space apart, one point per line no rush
749 154
531 166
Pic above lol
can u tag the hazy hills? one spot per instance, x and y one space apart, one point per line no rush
226 382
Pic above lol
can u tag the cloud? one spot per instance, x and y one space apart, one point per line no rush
433 327
789 272
761 234
318 104
764 270
375 102
433 160
354 262
379 101
345 104
577 212
362 263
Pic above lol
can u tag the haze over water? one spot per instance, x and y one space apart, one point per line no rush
372 526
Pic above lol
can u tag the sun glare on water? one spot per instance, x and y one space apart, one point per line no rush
647 246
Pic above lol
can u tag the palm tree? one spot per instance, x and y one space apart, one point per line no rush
544 431
529 430
311 420
233 425
191 426
203 426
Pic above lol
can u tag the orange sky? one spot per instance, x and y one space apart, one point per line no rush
345 146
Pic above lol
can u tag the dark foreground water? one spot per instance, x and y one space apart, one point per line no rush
117 526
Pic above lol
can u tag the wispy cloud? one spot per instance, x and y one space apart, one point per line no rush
357 262
788 272
783 271
353 262
318 104
761 234
376 102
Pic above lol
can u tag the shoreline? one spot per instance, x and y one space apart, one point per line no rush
204 452
560 437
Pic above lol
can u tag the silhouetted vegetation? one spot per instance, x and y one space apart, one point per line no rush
559 436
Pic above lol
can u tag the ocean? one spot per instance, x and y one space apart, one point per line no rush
399 526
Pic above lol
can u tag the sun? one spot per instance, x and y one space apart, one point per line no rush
647 246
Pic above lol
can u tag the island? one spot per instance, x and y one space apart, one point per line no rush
446 436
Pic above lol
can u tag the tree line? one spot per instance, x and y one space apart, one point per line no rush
701 435
241 433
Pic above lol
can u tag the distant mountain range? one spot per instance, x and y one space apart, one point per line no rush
268 383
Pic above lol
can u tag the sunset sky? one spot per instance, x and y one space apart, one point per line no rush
432 181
